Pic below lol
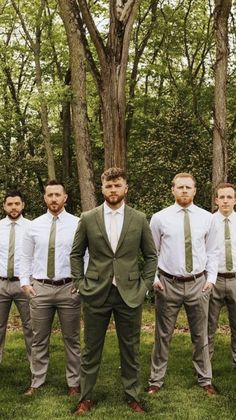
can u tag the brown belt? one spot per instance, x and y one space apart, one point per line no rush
227 275
10 278
55 282
181 278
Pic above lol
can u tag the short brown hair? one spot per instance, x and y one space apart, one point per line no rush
222 185
183 175
54 182
13 193
113 173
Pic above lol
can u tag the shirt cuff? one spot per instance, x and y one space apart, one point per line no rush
24 281
211 278
156 279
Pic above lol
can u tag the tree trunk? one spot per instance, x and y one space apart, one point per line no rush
35 45
79 109
66 137
44 120
113 119
221 16
110 74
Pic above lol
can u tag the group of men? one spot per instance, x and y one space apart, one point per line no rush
44 268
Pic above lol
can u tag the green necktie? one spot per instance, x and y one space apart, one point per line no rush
11 251
188 242
51 249
228 248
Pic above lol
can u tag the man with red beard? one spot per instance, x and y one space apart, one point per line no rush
12 228
46 248
185 239
114 234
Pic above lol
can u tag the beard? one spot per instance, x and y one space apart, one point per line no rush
114 199
184 201
56 208
14 215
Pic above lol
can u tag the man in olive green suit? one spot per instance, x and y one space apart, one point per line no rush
114 234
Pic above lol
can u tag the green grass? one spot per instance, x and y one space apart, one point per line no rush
180 398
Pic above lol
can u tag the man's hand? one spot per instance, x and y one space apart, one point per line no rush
207 286
29 290
157 285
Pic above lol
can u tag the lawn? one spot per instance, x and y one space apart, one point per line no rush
180 398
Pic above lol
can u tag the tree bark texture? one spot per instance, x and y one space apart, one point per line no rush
110 75
79 108
221 16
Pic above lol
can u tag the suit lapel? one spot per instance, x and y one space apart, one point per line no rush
128 214
101 224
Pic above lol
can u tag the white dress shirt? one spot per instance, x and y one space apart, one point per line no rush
119 219
5 225
219 220
35 247
168 233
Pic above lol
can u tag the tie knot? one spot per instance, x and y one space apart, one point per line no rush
54 219
226 219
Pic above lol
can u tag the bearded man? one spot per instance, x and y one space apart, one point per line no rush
114 234
12 229
185 239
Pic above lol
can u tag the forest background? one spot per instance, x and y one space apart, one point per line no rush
149 85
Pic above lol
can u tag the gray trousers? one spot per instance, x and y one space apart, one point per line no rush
223 293
43 306
10 291
168 304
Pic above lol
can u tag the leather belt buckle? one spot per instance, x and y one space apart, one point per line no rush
55 282
227 275
180 278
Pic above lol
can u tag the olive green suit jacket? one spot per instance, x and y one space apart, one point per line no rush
104 264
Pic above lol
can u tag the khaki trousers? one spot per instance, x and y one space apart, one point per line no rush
10 291
168 304
43 306
223 293
128 327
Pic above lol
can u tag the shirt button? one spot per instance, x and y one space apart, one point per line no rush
114 259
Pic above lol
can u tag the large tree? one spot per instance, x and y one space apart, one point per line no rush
109 66
69 13
220 146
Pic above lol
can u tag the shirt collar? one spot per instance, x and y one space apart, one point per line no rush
60 216
18 221
222 217
178 208
108 210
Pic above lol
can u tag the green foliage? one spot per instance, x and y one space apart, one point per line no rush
169 112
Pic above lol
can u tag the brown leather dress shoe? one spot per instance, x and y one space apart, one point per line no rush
73 390
210 390
83 407
153 389
30 391
136 407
